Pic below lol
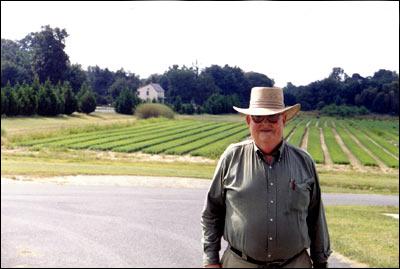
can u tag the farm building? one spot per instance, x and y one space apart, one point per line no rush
150 92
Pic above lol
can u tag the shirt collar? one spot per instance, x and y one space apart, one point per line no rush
277 153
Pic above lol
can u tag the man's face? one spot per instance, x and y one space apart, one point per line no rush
267 129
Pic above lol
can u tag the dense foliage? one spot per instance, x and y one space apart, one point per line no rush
27 64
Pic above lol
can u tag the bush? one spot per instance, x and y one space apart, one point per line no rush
149 110
344 110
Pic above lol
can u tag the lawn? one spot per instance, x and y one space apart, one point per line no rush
364 234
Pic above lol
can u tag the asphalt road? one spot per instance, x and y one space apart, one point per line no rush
52 225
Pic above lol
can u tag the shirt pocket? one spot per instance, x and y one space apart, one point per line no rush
299 195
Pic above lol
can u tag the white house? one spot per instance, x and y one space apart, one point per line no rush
150 92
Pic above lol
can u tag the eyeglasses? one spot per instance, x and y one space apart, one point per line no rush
271 118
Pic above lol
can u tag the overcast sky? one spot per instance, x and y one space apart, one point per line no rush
296 42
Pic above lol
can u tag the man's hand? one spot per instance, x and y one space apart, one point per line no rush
215 265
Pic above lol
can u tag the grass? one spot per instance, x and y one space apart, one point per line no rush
364 234
314 145
335 151
54 162
357 151
356 182
376 150
298 134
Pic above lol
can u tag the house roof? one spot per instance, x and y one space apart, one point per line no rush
157 87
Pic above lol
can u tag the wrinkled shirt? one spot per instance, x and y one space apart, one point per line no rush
269 212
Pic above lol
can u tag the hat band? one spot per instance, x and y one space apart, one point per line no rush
271 105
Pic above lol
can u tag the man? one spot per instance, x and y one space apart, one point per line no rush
265 197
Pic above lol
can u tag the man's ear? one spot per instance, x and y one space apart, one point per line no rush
284 119
248 120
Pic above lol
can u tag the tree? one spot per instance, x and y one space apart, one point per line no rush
338 74
218 104
117 87
48 102
27 100
257 79
100 81
124 102
230 80
86 99
76 76
70 101
181 82
4 99
15 63
48 57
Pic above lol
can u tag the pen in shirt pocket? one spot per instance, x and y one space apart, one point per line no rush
292 184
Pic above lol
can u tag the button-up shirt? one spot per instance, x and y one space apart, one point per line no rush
269 212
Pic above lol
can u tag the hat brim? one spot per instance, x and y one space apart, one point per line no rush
290 111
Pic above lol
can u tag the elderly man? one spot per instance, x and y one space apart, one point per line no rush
265 197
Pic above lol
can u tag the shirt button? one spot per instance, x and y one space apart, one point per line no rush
272 184
270 239
271 220
272 201
269 255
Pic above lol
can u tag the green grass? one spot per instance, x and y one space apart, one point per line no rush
356 182
297 134
335 151
290 126
314 144
54 162
364 234
73 162
38 124
357 151
376 150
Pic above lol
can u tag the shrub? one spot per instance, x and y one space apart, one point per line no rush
150 110
343 110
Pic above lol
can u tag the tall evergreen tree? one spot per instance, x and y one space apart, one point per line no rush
47 100
70 101
86 99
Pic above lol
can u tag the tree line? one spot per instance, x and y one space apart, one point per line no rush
45 99
214 89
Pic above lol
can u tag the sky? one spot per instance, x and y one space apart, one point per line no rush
298 42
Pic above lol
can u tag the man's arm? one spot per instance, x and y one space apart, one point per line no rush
213 217
317 226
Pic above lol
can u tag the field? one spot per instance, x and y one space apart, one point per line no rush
352 155
356 143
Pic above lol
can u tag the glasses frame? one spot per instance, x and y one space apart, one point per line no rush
270 118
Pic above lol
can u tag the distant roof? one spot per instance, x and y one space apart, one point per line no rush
157 87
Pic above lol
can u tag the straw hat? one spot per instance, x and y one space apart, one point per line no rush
266 101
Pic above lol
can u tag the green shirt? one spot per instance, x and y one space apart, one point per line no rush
269 212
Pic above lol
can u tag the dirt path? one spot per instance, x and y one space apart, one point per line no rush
327 158
353 160
381 165
304 141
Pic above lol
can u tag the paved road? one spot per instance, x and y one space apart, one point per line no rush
52 225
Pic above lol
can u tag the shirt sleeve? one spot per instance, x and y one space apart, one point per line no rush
213 215
317 226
